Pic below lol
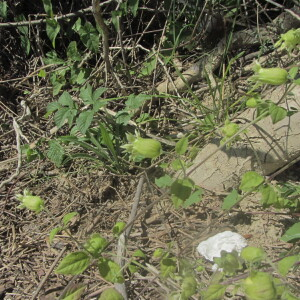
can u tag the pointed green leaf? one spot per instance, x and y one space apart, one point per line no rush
293 72
133 5
214 292
194 198
74 292
48 8
168 266
66 100
118 228
111 294
86 94
182 145
53 106
110 270
3 9
53 233
56 153
95 244
89 36
73 264
84 120
52 29
97 94
231 200
68 217
286 264
277 113
164 181
73 53
268 196
251 180
292 233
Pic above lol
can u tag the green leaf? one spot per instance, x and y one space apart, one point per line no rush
56 153
182 188
3 9
64 115
164 181
268 196
178 164
253 254
136 101
250 180
74 292
57 86
48 8
182 145
292 233
293 72
277 113
53 106
73 264
110 270
133 5
286 264
89 36
115 18
188 287
95 244
118 228
111 294
106 137
53 233
148 67
52 29
231 199
68 217
24 34
139 253
297 81
77 25
86 94
73 53
66 100
194 198
214 292
168 266
98 93
84 120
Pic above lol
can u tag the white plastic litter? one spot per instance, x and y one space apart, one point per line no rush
226 240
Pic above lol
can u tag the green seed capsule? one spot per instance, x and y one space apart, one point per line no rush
273 76
34 203
147 148
289 40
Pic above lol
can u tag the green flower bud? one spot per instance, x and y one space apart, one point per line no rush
34 203
289 40
273 76
230 129
251 102
259 286
142 148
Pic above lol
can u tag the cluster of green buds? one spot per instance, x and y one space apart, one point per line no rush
140 148
273 76
33 203
289 40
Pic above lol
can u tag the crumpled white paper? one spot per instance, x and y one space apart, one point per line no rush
226 240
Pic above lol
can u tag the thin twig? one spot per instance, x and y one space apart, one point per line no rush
120 287
48 273
17 171
105 33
